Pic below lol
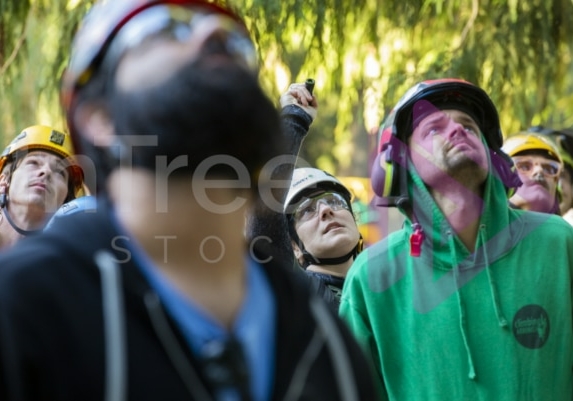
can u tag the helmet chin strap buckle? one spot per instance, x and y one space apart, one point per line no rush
3 195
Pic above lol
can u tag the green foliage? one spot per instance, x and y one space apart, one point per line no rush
363 54
34 40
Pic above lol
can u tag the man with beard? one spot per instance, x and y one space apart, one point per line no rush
563 140
539 165
165 299
462 303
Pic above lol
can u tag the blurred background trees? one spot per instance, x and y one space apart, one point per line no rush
363 54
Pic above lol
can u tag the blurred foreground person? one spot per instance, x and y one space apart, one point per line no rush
166 299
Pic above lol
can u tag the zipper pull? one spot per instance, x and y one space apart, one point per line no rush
416 239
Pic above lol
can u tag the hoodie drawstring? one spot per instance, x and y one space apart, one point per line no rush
461 308
114 328
502 321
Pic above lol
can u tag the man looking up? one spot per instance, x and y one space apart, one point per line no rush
463 303
539 165
37 175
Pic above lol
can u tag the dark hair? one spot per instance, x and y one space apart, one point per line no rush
95 93
201 111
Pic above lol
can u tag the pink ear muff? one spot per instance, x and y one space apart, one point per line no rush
503 169
378 175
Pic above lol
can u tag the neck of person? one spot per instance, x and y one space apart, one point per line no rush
8 236
339 270
568 216
462 207
538 204
25 217
197 244
518 202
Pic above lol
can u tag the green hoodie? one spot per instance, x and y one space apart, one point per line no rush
495 324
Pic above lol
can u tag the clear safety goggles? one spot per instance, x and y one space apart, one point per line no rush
185 23
309 207
526 165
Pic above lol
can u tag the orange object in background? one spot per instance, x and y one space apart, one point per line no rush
373 222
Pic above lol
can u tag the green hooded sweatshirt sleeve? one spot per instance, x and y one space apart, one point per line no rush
451 325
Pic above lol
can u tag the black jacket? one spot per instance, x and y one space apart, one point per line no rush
271 225
75 329
328 287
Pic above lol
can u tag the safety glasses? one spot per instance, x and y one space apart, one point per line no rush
308 208
185 23
526 165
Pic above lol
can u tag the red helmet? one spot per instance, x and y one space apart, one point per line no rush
107 20
389 170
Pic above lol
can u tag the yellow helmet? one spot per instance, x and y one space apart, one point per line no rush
40 137
527 142
562 139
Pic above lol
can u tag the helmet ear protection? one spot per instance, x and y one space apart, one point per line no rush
504 170
388 176
389 172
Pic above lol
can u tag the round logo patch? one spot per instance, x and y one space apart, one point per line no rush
531 326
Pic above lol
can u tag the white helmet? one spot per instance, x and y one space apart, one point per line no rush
307 179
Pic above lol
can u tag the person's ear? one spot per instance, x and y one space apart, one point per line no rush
4 180
297 251
4 186
94 124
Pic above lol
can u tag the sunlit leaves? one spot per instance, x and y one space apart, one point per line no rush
363 54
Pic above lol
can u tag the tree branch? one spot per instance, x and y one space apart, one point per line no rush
15 51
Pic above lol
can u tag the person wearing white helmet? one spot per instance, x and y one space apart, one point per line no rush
324 234
37 175
267 224
539 165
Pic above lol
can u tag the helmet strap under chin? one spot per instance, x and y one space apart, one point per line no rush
9 219
312 260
